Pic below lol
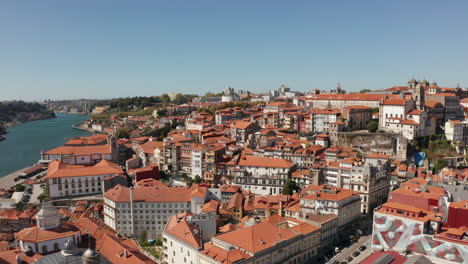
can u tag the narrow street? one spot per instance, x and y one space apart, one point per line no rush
348 251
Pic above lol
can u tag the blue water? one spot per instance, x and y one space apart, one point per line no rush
23 144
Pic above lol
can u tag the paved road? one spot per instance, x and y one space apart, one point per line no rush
346 252
37 190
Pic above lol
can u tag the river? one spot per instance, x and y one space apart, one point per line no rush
23 144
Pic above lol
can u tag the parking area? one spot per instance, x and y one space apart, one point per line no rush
353 253
37 190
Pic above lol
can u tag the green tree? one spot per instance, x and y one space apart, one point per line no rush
372 126
161 112
20 206
20 188
165 98
159 242
439 164
44 195
122 133
364 91
289 187
197 179
143 237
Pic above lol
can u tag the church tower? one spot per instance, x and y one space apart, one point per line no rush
419 96
48 217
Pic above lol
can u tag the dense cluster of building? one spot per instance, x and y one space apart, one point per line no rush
281 181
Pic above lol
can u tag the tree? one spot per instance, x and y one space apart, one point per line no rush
45 194
143 237
20 206
289 187
161 112
439 164
20 188
122 133
197 179
372 126
165 98
159 243
364 91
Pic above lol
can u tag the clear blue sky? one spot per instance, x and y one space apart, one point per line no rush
110 48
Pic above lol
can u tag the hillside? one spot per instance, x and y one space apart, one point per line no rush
18 111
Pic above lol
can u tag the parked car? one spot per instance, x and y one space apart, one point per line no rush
356 253
334 261
362 248
349 259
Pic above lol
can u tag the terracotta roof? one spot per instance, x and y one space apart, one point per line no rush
149 194
91 140
432 104
415 112
118 251
409 122
57 169
229 188
149 146
35 234
178 227
235 201
394 101
255 161
150 182
80 150
211 206
266 234
377 156
333 194
241 124
9 257
222 256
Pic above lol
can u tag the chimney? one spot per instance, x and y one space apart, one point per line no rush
125 253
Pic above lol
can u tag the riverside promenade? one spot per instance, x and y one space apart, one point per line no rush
8 181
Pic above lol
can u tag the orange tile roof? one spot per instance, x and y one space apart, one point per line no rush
149 194
222 256
334 194
241 124
394 101
9 257
119 251
57 169
211 206
80 150
377 156
178 227
91 140
409 122
432 104
150 182
149 146
35 234
266 234
255 161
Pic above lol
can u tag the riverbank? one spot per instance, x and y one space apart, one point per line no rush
87 129
8 181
